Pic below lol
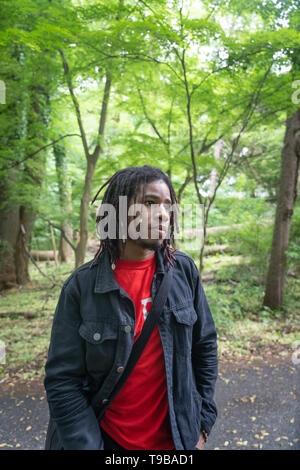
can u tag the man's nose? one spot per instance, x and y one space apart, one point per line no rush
164 214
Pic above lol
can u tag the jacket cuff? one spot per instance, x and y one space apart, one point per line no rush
80 432
208 415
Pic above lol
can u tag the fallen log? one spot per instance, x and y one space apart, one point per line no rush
223 228
214 249
208 278
39 255
198 232
28 315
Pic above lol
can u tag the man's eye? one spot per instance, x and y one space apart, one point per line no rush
167 206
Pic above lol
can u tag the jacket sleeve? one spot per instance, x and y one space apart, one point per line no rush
204 355
69 407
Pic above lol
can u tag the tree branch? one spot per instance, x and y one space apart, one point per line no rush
188 106
152 123
249 112
37 151
23 231
103 115
75 103
170 122
58 228
187 180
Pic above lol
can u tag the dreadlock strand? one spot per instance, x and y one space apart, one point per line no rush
99 190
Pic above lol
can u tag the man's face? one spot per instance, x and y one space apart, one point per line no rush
155 215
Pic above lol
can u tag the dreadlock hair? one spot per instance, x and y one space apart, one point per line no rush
126 182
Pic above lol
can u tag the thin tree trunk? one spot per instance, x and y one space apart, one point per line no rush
214 172
65 198
287 193
84 210
26 221
214 180
53 244
187 180
65 249
91 159
91 165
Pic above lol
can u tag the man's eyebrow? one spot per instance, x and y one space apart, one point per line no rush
154 196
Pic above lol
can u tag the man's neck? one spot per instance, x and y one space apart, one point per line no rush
134 252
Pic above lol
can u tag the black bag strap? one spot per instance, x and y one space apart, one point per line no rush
140 343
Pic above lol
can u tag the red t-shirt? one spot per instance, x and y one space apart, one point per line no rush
138 418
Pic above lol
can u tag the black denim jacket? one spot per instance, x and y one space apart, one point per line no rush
92 337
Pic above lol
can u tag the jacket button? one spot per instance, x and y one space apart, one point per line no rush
127 329
120 369
104 401
97 336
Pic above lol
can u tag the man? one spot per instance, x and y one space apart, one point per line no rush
167 401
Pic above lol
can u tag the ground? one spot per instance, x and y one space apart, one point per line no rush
257 399
259 359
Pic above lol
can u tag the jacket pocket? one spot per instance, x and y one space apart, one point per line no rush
96 333
100 346
183 319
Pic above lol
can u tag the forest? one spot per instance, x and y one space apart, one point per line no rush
208 91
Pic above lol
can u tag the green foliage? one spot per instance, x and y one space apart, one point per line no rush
230 64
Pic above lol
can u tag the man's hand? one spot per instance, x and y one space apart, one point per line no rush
200 443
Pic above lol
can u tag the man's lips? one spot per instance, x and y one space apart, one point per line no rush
161 229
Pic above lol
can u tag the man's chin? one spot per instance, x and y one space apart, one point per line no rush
154 245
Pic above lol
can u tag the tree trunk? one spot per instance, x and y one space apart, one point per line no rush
32 177
13 141
84 211
214 178
26 224
13 256
64 188
287 193
214 172
9 224
29 113
187 180
91 165
65 250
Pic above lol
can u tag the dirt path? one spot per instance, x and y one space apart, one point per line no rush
258 404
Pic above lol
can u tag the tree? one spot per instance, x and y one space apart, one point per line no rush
287 194
30 75
65 199
205 101
287 187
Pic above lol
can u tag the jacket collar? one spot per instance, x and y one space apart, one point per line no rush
105 279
